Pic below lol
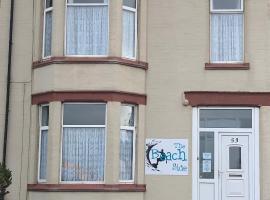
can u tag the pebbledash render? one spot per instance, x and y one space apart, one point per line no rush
136 99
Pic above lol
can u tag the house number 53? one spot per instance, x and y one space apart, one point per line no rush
234 140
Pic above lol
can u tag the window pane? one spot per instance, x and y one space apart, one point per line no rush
127 115
87 30
207 155
43 155
129 3
83 154
227 4
128 43
45 116
49 3
48 34
126 155
235 157
84 114
227 37
87 1
225 118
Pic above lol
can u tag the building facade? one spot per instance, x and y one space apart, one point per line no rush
138 100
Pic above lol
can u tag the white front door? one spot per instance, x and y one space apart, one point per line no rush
225 154
234 167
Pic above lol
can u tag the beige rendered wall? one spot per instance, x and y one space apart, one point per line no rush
264 152
19 118
88 77
178 48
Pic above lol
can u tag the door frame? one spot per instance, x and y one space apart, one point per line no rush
255 176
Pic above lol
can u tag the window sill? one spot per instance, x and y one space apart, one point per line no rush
227 66
86 188
90 60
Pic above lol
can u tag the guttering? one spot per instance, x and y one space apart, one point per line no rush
8 80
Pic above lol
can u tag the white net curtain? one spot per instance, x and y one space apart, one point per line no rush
87 30
226 37
83 154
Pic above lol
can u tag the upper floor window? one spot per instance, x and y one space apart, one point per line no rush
129 41
227 5
87 27
227 31
43 142
83 142
47 28
127 143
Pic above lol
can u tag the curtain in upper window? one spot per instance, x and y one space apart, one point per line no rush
128 34
129 29
47 43
226 37
87 29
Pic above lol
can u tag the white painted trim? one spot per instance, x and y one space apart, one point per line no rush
195 189
46 10
226 10
131 128
85 103
130 8
61 145
41 128
65 31
87 4
253 134
81 56
257 153
135 10
225 108
84 126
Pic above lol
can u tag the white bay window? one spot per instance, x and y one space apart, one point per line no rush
227 31
87 27
127 143
43 142
47 28
83 142
129 29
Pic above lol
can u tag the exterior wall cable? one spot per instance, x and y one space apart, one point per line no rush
8 80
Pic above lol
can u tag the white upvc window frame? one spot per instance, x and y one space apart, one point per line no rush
46 10
227 11
212 10
86 5
41 128
83 126
135 10
131 128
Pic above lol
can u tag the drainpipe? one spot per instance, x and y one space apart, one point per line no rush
8 80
